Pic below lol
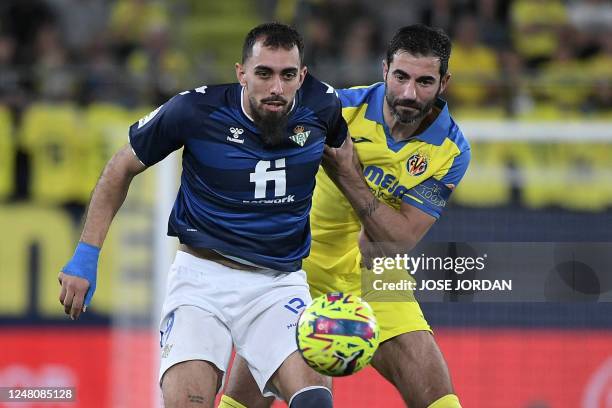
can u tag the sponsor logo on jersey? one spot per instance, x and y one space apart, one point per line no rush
286 199
235 137
388 182
300 136
417 164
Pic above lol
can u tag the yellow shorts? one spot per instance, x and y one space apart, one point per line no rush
397 312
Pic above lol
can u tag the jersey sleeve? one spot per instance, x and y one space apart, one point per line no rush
458 168
337 129
431 196
159 133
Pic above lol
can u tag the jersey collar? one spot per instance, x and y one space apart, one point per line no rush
434 134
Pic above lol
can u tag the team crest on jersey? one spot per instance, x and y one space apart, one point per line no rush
300 136
417 164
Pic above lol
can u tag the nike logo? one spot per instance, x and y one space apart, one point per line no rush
361 140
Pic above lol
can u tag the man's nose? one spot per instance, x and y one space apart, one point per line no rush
277 86
409 90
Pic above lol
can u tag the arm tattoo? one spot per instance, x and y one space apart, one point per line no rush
196 398
368 209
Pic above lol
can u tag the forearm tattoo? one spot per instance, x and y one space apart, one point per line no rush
369 208
198 399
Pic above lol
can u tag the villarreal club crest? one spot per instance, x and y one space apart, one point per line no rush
417 164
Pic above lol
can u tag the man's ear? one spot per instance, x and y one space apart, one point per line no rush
303 73
240 74
444 82
385 68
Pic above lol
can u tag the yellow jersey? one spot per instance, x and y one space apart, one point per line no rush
414 171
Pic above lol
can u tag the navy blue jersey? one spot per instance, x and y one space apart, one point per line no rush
238 196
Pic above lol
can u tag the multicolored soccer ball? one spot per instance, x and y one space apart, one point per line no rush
337 334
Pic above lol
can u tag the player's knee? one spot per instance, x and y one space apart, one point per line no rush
229 402
190 381
312 397
447 401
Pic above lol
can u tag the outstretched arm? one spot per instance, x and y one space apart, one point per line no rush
78 277
401 230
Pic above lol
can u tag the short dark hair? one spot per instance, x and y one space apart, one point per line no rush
276 35
421 40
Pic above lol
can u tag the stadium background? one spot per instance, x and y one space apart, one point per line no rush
531 88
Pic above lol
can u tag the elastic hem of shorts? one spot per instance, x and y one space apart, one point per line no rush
403 329
276 366
200 358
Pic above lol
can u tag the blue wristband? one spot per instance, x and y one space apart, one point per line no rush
84 264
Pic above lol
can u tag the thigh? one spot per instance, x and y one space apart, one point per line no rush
396 318
413 363
190 333
241 386
264 331
191 384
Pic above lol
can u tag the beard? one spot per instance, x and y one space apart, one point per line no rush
272 125
409 117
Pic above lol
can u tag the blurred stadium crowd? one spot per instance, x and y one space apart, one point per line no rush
74 74
533 58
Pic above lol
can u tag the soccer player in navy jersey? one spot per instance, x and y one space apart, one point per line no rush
412 155
251 153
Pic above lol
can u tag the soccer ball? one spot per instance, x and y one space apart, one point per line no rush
337 334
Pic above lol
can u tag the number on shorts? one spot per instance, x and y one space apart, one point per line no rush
295 305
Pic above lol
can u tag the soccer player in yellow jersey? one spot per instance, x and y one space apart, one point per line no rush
411 155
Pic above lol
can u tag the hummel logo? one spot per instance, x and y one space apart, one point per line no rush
236 132
300 135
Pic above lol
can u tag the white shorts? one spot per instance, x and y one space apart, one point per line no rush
209 306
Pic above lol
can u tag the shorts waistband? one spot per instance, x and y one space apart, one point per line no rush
213 256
